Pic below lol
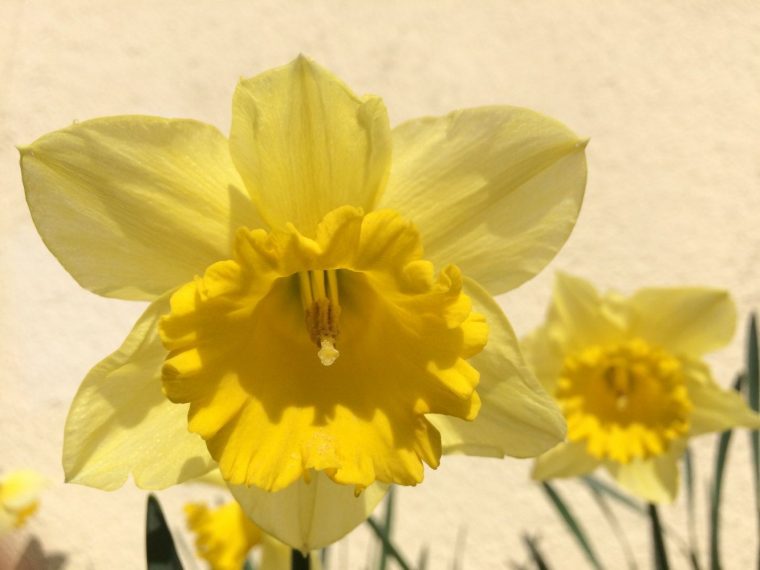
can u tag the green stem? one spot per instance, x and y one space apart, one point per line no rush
299 561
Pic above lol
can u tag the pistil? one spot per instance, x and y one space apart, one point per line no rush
319 297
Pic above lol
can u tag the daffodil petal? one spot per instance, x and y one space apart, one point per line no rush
655 480
517 417
579 316
689 321
305 144
544 355
20 490
568 459
495 190
276 555
223 535
715 409
121 423
307 516
133 206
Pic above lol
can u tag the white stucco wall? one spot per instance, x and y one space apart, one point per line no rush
669 93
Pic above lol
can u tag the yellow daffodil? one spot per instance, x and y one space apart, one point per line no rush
223 536
629 377
298 335
19 497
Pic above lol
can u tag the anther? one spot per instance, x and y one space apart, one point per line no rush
319 296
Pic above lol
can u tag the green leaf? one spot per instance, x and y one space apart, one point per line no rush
658 540
753 399
572 524
535 552
247 565
688 467
392 550
422 560
387 529
612 520
159 545
716 491
602 487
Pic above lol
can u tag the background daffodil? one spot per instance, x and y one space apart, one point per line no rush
224 537
298 334
629 376
19 497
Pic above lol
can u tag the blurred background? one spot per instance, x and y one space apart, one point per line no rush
667 91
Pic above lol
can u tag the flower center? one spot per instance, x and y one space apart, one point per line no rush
319 297
625 401
269 411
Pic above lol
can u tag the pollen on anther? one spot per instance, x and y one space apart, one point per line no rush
328 354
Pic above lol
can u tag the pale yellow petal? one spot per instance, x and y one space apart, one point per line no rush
121 423
715 409
579 316
311 515
517 417
689 321
544 356
276 555
653 480
495 190
305 144
133 206
568 459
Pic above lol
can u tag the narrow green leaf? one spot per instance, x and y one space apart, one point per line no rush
613 493
387 529
753 399
658 540
617 528
572 524
392 550
459 548
691 509
298 561
716 491
535 552
159 545
422 560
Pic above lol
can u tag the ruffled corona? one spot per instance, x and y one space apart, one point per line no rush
323 353
626 401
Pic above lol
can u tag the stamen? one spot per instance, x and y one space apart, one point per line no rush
319 296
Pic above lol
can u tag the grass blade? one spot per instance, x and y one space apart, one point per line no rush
658 540
572 524
617 528
716 491
603 488
535 552
159 544
691 509
387 529
422 560
392 550
753 399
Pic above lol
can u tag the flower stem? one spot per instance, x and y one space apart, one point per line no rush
299 561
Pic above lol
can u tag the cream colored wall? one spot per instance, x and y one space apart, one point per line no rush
669 93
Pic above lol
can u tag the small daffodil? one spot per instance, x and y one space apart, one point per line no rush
629 376
19 497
